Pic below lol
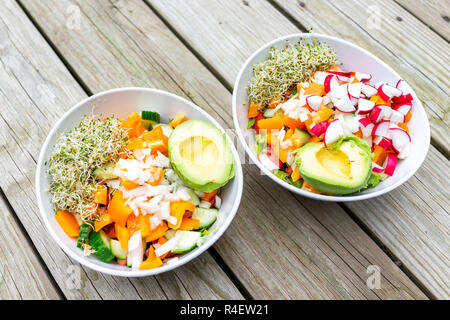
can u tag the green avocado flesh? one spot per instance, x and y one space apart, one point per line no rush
200 154
339 169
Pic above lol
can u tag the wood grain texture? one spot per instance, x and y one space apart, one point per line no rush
36 90
434 13
420 253
21 274
278 249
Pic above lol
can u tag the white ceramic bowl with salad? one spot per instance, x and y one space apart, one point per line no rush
329 135
163 215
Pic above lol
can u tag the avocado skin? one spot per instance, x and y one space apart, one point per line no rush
330 187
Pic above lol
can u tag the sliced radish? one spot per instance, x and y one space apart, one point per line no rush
366 127
319 77
319 128
314 102
402 108
354 90
387 92
397 117
345 105
330 83
379 84
405 151
341 75
365 106
338 92
381 128
380 112
403 86
404 98
383 142
362 77
269 159
400 138
377 168
334 132
368 90
390 164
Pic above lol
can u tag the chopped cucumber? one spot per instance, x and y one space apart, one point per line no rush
195 200
304 136
154 117
270 113
147 124
206 216
100 242
167 130
187 241
117 250
105 173
170 234
83 236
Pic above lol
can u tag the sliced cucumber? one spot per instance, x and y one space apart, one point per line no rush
167 130
117 250
170 234
206 216
151 116
195 200
187 241
83 236
99 241
147 124
304 136
270 113
105 173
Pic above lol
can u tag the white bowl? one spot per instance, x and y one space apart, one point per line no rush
353 58
121 102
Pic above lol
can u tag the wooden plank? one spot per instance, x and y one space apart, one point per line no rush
434 13
36 90
278 249
185 18
21 274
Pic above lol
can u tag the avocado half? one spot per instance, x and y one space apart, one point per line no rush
339 169
201 155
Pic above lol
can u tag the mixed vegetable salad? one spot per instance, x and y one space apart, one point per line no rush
136 191
333 132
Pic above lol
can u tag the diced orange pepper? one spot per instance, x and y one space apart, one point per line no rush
378 100
292 123
189 224
253 110
179 118
273 103
68 223
380 155
315 88
135 143
144 225
322 115
132 224
152 260
122 235
101 194
127 184
117 209
315 139
358 133
209 195
271 123
288 134
404 126
296 141
310 188
156 140
158 232
102 221
133 125
408 116
157 175
295 175
177 210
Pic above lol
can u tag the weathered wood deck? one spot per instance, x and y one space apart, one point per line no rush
54 53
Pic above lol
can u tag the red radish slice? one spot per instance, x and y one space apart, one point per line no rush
330 83
397 117
377 168
319 128
404 98
368 90
380 112
365 106
386 92
314 102
400 138
338 92
402 108
390 164
341 73
319 77
405 151
333 132
381 128
403 86
354 90
366 127
345 105
362 77
269 159
379 84
383 142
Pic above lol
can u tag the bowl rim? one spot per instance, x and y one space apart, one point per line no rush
352 197
167 267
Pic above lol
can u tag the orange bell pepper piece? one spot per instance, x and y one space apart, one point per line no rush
179 118
161 241
177 210
314 88
157 233
122 235
408 116
273 103
152 260
322 115
209 195
127 184
253 110
135 143
68 223
189 224
102 221
117 209
295 175
404 126
380 155
101 194
157 175
156 140
292 123
358 133
275 123
133 125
